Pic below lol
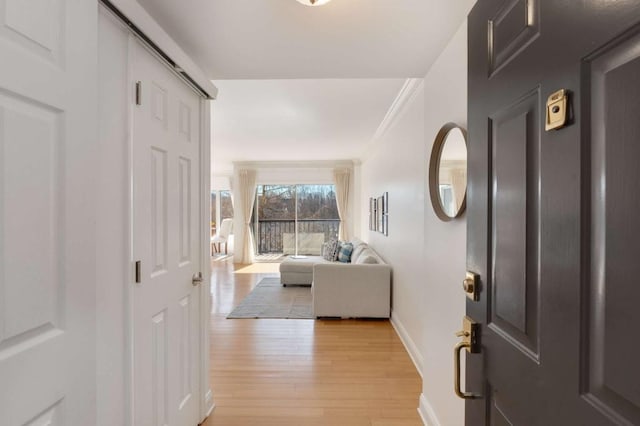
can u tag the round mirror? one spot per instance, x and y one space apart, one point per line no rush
448 172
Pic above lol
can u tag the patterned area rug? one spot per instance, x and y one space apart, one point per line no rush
269 299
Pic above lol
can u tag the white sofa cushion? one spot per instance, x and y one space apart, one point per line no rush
299 264
367 257
358 248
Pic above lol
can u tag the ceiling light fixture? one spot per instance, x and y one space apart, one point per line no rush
313 2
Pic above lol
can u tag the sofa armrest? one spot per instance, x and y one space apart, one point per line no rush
348 290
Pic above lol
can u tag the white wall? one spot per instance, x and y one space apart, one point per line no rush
220 182
443 302
112 231
397 166
427 255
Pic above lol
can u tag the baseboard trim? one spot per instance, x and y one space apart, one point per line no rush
426 412
213 407
209 405
409 344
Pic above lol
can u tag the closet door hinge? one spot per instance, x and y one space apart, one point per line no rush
138 93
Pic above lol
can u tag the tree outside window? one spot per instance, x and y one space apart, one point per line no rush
308 213
221 207
226 205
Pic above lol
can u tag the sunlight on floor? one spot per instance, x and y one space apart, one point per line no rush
257 268
220 257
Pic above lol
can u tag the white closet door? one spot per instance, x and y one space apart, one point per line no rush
48 139
166 162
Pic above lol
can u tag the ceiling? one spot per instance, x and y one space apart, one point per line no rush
264 39
297 120
299 83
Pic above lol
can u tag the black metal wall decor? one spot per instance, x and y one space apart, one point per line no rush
379 214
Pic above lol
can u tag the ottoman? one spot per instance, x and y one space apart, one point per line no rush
298 271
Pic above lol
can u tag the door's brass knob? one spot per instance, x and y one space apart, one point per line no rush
196 279
462 333
471 286
468 285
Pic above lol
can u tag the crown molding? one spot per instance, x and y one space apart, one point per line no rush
320 164
405 97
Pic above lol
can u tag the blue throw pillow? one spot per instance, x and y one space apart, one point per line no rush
345 252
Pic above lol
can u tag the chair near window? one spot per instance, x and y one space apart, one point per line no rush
221 236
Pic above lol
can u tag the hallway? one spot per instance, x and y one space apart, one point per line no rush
302 372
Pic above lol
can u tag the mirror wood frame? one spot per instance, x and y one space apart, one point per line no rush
434 172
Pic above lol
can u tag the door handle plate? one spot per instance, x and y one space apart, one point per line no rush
469 333
196 279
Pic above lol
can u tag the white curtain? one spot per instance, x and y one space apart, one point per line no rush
342 178
247 190
459 185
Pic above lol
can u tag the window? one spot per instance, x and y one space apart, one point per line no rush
213 212
221 207
295 219
448 202
226 205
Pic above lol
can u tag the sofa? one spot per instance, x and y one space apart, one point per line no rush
360 288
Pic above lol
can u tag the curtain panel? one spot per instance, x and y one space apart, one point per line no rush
459 185
247 190
342 179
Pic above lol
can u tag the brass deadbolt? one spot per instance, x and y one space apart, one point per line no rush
469 285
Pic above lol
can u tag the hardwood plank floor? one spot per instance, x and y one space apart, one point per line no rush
275 372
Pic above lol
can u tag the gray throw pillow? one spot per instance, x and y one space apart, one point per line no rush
336 251
329 250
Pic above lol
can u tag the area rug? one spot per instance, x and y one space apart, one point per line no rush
269 299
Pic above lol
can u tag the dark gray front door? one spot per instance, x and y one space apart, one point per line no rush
554 217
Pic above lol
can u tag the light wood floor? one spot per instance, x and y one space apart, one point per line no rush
274 372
